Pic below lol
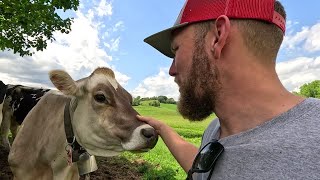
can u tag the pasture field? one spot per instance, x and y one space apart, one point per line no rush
159 163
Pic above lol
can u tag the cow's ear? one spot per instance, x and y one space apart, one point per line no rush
63 82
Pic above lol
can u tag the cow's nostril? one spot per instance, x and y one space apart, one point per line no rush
148 133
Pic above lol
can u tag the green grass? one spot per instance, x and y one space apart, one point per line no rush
164 166
158 163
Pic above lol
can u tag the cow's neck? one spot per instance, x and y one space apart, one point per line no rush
86 163
77 149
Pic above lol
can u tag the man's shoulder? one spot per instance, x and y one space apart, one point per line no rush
309 106
311 101
214 124
212 131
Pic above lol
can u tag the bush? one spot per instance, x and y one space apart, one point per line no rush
136 101
154 103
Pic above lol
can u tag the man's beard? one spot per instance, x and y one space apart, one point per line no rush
198 91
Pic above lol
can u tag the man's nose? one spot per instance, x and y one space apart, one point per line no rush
173 70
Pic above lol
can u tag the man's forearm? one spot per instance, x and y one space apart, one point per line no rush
183 151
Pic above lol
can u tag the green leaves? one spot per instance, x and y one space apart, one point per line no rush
27 25
311 89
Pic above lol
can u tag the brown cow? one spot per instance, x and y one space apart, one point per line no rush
103 122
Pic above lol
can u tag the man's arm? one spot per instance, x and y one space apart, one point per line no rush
183 151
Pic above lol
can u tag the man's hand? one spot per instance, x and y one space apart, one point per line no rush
156 124
183 151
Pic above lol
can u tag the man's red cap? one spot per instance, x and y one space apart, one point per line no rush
202 10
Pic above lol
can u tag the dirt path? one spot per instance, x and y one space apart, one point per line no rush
109 169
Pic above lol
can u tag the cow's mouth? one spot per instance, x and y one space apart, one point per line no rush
147 147
141 150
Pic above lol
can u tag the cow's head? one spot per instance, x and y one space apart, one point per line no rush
103 119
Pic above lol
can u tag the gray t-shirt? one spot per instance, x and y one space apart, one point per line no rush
286 147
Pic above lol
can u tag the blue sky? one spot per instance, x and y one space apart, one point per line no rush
110 33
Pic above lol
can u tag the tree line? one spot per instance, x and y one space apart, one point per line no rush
311 89
156 100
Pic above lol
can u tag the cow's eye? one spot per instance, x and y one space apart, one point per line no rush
100 98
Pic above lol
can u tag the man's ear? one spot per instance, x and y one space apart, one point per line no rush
221 29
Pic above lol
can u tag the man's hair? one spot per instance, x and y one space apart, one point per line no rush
262 38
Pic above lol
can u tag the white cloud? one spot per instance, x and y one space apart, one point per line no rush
296 72
104 8
290 25
121 78
115 44
313 41
161 84
26 71
293 74
78 52
90 15
119 26
292 40
307 39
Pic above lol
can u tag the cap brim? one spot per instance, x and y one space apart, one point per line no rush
162 40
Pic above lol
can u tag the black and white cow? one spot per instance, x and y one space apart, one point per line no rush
18 102
3 90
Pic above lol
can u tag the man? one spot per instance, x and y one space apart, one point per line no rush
224 55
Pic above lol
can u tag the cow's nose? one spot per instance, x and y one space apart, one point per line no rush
151 137
149 133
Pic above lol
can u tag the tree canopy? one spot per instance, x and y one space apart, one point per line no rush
28 24
311 89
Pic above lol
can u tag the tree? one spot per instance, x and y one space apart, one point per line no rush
171 101
162 99
311 89
27 24
136 101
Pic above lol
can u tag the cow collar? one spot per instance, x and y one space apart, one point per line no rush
76 148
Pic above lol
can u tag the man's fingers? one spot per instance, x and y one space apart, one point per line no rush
149 120
142 118
145 118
